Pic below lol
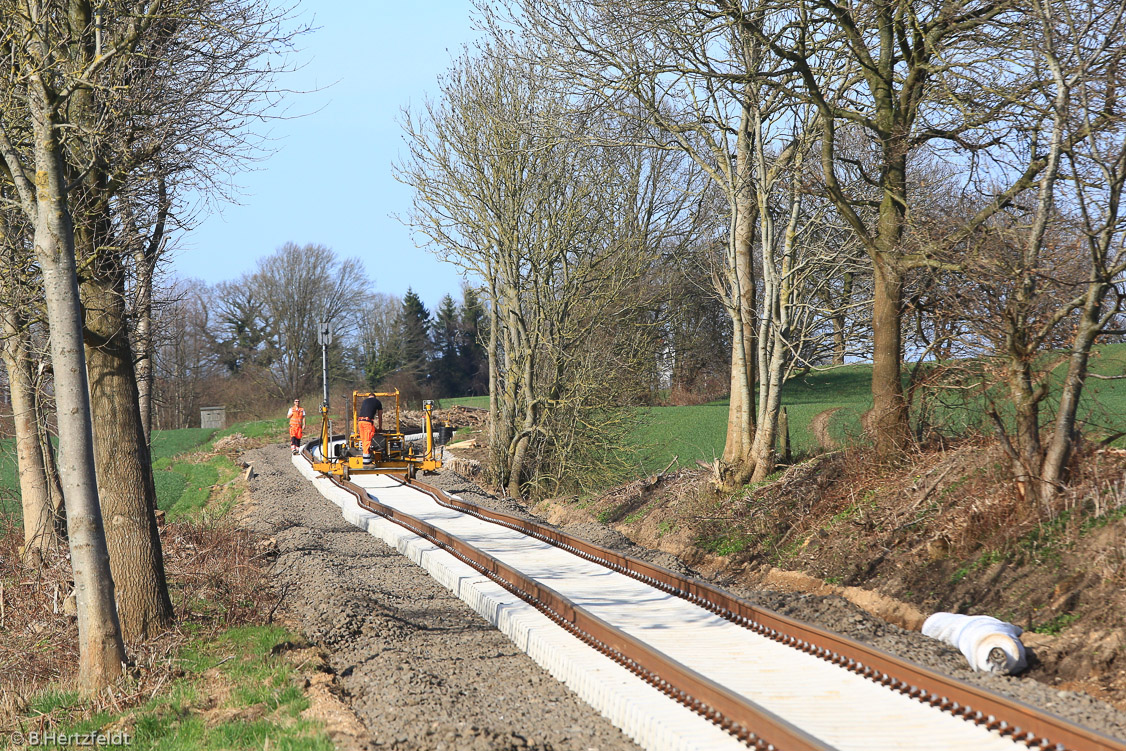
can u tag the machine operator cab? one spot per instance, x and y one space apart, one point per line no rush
376 444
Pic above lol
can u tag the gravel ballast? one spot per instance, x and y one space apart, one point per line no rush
417 665
421 670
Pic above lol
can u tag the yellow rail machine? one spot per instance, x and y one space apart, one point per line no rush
391 450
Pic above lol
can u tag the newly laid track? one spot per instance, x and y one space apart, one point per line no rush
672 661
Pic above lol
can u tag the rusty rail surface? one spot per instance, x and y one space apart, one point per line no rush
743 718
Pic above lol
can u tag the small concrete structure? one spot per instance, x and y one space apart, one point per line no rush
213 417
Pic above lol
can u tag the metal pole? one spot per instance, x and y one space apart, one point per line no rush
326 430
324 371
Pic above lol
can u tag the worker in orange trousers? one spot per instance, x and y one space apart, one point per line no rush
296 417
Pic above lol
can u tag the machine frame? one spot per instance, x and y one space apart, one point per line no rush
394 455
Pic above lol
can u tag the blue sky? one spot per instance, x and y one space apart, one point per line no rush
330 181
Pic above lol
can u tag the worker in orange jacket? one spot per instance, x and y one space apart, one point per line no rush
370 420
296 417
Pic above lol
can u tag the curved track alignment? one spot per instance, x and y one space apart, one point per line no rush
766 680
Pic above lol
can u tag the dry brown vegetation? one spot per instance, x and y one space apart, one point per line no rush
948 530
217 580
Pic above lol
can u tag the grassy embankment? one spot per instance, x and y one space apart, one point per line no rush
698 431
226 686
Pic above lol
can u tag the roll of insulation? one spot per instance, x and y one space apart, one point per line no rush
989 644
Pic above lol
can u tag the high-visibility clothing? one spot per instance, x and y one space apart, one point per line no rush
367 432
296 422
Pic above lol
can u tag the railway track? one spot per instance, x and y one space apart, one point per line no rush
681 664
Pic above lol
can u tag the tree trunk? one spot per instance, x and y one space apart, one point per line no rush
125 480
763 450
518 469
500 405
51 467
1026 414
143 334
518 453
740 422
1064 433
737 461
784 437
38 513
101 650
839 321
50 459
888 422
144 260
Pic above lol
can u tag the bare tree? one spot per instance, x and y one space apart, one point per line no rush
193 100
894 91
146 256
81 117
183 354
1047 272
128 121
508 185
686 73
199 76
39 89
712 88
298 287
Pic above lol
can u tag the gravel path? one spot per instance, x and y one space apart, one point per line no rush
420 669
423 671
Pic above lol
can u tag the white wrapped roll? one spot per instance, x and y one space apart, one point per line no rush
988 644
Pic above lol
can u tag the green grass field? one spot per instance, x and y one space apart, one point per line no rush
183 486
481 402
699 432
689 433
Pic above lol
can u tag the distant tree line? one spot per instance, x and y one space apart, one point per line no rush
252 343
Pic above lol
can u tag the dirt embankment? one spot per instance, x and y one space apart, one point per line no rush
948 532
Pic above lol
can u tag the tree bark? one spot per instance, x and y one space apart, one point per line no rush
101 650
1026 398
737 461
1061 444
143 334
887 423
50 462
125 479
521 378
38 513
144 260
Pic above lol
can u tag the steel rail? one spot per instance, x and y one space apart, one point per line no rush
743 718
1009 716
